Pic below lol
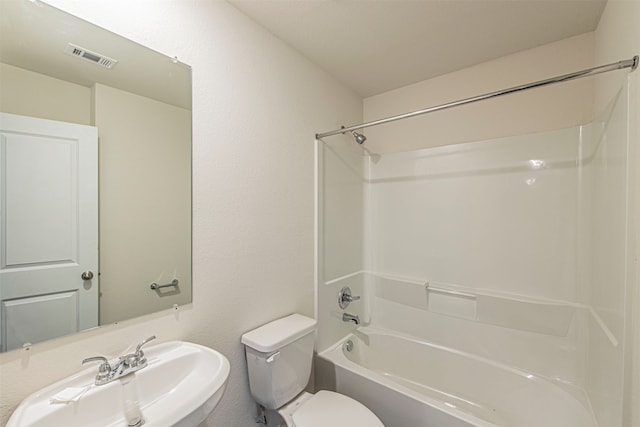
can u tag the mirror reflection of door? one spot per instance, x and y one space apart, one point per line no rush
142 108
49 248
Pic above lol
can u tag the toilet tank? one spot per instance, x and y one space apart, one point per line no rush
279 356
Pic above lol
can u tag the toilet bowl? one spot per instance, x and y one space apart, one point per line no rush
279 356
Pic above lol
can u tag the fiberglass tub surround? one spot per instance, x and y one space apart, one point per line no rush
500 262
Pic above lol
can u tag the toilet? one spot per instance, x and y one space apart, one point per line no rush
279 356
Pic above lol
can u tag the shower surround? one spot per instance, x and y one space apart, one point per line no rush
513 250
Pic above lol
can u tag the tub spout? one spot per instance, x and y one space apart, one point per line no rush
346 317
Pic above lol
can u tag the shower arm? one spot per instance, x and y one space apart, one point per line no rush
629 63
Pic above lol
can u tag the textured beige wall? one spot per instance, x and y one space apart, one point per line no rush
36 95
538 110
145 203
256 107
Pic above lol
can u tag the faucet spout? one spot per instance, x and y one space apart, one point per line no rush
119 368
346 317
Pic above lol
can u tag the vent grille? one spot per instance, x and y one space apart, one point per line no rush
96 58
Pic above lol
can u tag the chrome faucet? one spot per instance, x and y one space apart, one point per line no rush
345 297
346 317
125 365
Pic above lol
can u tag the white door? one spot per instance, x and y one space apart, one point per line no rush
48 229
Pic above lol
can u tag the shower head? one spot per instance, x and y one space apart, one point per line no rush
360 138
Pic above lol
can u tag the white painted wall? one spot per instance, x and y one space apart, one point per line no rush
256 106
557 107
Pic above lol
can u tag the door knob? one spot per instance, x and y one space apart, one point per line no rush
87 275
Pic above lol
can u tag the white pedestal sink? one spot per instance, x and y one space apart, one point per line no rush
181 386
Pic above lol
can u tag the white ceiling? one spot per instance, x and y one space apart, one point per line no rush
377 45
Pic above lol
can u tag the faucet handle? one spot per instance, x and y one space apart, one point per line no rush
152 337
345 297
104 370
139 354
105 362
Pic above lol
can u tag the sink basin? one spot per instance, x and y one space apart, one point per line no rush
181 386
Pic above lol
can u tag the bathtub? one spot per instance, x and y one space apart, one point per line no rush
411 383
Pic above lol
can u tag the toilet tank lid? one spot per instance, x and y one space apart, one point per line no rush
275 335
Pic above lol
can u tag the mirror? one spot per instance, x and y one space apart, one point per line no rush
88 238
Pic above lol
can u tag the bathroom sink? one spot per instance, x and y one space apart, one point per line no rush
180 386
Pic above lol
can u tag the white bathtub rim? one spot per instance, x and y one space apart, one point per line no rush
368 330
405 391
334 355
575 391
336 349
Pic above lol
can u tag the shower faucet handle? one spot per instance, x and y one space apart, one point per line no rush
345 297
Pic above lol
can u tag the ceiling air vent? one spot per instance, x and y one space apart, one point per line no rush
96 58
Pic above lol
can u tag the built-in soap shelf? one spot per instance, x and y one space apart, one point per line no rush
450 302
507 311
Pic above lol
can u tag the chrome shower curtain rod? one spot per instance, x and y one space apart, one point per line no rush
629 63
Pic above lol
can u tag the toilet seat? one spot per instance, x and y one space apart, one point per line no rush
327 408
